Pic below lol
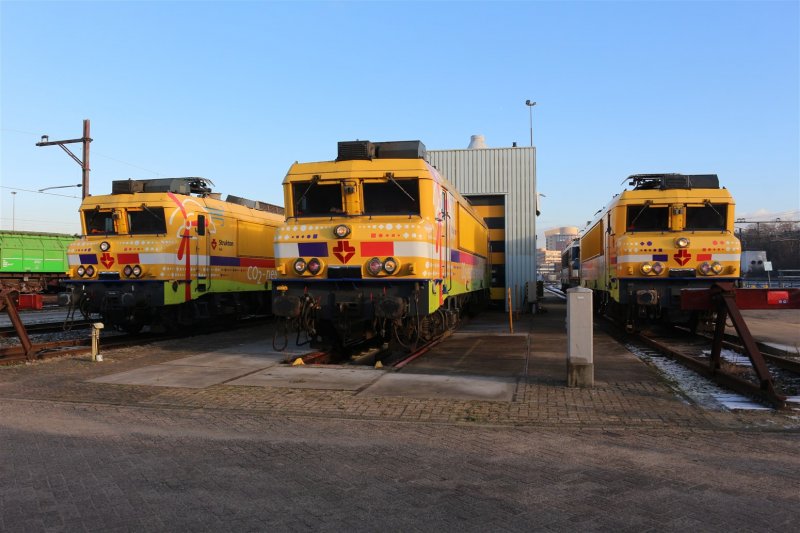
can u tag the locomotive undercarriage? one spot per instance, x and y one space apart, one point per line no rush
344 315
643 302
131 306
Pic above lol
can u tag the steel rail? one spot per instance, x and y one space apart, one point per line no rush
717 374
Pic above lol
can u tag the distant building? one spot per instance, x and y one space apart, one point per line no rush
548 262
559 238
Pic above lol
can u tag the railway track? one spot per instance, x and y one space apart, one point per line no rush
48 349
779 358
735 371
46 327
62 348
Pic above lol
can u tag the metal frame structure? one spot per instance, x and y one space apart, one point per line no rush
83 163
728 301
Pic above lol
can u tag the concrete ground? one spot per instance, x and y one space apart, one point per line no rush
243 443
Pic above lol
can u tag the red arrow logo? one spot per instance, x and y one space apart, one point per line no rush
343 251
682 257
214 243
107 259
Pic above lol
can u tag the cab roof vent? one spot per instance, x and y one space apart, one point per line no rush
353 150
673 181
366 150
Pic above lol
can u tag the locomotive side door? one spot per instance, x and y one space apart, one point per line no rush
444 250
202 253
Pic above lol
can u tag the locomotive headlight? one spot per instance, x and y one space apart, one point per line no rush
127 271
105 246
300 266
390 265
716 268
646 268
658 268
314 266
704 268
374 266
90 271
681 242
341 231
137 271
81 271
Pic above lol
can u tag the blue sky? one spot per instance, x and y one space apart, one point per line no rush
236 92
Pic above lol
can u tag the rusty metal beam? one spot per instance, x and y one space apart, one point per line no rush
701 299
8 302
727 299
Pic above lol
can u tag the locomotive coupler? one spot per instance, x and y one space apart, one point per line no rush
287 306
647 297
391 307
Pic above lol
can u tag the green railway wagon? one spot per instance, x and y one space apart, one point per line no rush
33 262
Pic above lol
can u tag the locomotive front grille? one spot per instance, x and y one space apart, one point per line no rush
335 272
108 276
682 273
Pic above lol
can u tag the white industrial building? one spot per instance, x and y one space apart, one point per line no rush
503 181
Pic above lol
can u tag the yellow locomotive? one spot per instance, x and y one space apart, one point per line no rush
670 232
171 251
377 244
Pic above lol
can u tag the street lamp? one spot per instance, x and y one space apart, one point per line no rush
60 187
530 113
13 210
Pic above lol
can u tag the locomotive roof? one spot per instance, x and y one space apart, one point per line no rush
667 195
187 186
368 160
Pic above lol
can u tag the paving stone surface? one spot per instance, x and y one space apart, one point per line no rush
451 387
312 377
630 454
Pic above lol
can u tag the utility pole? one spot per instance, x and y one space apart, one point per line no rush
13 210
85 163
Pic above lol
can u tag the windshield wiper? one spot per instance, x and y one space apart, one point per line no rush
95 212
708 203
314 181
390 177
647 204
90 221
153 213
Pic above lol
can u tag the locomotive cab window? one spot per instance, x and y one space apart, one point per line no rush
314 200
647 218
393 197
709 217
99 222
148 221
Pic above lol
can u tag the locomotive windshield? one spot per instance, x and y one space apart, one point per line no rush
647 218
710 217
394 197
99 222
315 200
148 221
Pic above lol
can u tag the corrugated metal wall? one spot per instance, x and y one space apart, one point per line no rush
505 171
